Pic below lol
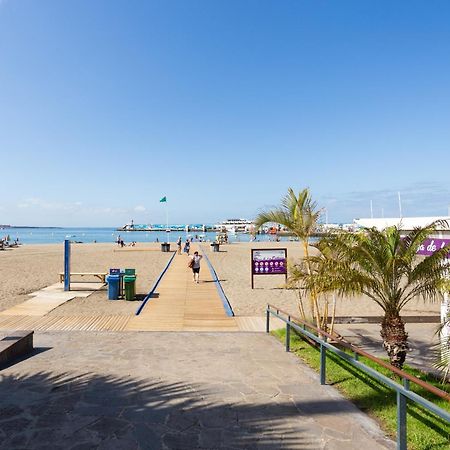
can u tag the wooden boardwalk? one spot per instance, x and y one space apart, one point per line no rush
182 305
65 323
120 323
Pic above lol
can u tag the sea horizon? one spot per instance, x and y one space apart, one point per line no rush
55 235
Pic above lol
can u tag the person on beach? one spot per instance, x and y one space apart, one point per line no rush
187 246
194 264
179 245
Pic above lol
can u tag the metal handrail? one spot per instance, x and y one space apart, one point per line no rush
155 285
223 297
403 392
436 391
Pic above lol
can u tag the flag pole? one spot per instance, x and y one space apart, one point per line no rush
167 223
400 205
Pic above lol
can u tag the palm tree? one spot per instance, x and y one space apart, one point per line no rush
384 266
300 215
442 349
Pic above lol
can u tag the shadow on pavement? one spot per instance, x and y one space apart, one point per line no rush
93 411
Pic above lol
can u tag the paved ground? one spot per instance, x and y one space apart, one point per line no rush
134 390
422 338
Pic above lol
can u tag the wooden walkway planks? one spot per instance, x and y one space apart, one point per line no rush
65 323
257 323
121 323
183 305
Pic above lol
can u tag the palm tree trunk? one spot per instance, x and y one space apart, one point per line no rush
395 338
300 306
315 310
333 316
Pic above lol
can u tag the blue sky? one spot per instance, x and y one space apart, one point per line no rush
106 106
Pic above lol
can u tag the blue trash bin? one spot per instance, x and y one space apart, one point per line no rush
113 286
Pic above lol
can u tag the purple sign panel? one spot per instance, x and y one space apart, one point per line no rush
269 262
431 245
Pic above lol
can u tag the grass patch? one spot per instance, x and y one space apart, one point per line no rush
425 430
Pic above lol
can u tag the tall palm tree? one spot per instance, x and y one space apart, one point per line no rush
384 266
300 215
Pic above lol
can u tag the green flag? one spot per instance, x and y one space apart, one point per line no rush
164 199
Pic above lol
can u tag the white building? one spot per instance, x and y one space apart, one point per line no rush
405 223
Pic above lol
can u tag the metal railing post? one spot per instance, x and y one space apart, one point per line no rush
401 421
323 363
401 418
267 320
288 335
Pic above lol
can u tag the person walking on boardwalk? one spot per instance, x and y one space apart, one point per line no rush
187 246
194 264
179 245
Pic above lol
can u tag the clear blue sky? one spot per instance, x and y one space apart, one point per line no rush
106 106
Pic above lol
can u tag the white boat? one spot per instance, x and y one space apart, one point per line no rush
235 226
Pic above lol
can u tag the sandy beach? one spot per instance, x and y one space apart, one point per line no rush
33 267
233 267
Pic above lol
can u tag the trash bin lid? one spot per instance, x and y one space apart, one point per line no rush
129 278
130 271
112 277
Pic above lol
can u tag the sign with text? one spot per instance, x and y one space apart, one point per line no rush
270 261
431 245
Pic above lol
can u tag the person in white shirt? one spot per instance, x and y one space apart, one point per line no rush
195 264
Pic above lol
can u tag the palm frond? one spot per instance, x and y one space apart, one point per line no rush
298 213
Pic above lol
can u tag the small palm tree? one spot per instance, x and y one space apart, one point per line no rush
442 352
300 215
384 266
442 349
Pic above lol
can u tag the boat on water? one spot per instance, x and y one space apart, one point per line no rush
235 226
163 227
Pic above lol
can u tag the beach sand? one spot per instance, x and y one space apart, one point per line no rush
32 267
233 267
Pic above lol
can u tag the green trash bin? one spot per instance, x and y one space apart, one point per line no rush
130 286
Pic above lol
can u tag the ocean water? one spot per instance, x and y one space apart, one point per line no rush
89 235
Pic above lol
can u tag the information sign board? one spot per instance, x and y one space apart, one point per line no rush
269 261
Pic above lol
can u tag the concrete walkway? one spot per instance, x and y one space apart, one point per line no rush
173 391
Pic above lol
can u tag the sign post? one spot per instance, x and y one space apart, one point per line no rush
269 261
67 265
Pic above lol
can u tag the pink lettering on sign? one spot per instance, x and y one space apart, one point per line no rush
431 245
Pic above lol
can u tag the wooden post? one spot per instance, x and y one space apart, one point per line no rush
251 269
